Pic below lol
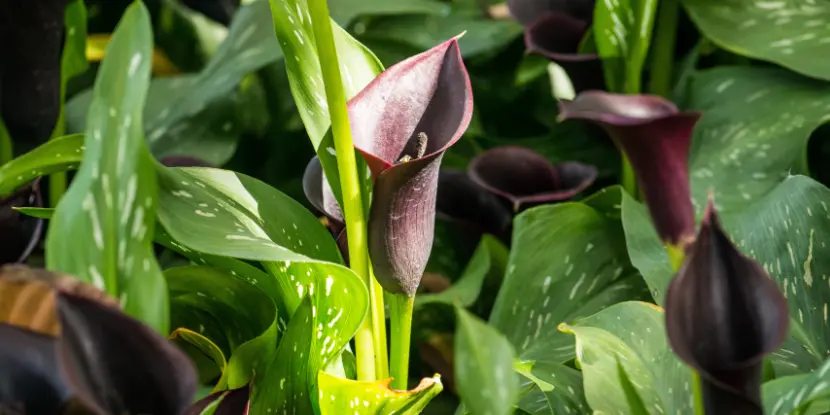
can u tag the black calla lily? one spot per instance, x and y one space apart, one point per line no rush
656 137
73 344
723 315
525 178
402 123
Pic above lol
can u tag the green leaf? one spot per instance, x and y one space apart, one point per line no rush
43 213
73 56
789 244
102 230
59 154
340 396
484 367
753 132
327 318
550 388
345 11
635 402
200 348
622 32
358 67
488 260
789 33
563 265
229 309
630 334
795 394
190 115
646 250
223 213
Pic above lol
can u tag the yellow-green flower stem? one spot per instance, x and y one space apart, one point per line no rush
400 316
365 338
677 255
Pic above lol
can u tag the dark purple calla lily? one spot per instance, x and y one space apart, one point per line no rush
525 178
723 315
402 123
20 233
74 341
656 136
555 29
470 208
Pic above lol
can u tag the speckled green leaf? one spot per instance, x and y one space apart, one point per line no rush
329 315
241 315
489 259
631 333
622 32
203 352
753 132
219 212
483 367
358 67
790 33
795 394
346 396
102 230
564 264
194 114
789 243
552 389
59 154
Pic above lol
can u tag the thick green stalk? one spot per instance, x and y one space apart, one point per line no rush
378 326
629 179
349 182
665 35
400 316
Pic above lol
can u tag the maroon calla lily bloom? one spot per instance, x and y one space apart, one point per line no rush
656 136
402 123
526 178
72 343
723 315
20 233
555 29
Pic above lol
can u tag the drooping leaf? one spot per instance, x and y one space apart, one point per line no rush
794 394
330 313
632 335
622 32
206 351
745 27
339 396
219 212
59 154
550 389
484 367
562 266
102 229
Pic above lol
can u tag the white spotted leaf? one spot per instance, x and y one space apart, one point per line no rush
564 264
484 367
631 333
622 32
795 394
333 307
102 229
223 213
56 155
358 67
790 33
346 396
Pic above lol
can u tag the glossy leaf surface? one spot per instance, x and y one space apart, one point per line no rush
338 396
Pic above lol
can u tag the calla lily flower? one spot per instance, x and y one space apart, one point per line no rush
402 123
472 209
723 315
656 136
555 29
526 178
70 345
20 233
